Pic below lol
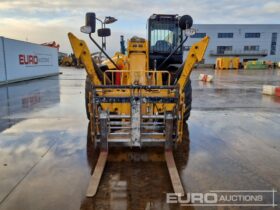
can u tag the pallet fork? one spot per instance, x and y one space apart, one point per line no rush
102 159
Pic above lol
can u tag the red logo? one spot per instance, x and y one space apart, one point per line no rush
28 59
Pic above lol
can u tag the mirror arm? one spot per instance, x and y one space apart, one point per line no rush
97 45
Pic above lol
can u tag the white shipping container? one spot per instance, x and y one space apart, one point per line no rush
3 103
2 62
24 60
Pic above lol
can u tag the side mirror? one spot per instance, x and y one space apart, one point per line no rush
90 23
185 22
104 32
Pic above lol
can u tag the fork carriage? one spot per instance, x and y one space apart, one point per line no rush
136 114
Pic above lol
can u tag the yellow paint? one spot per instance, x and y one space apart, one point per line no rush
82 52
225 63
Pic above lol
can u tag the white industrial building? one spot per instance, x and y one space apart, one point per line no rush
247 41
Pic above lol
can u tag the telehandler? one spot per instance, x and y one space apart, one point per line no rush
143 97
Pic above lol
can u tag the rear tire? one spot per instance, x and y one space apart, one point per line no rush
188 100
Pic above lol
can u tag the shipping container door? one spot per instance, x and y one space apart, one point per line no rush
2 62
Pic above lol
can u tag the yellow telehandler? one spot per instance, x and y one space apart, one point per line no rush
140 97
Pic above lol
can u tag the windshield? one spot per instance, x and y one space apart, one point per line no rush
164 36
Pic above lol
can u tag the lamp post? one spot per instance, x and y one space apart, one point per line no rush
107 20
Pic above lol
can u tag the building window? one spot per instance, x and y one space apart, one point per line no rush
222 49
225 35
198 35
252 48
273 44
252 35
186 48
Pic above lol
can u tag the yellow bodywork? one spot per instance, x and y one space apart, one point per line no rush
134 70
119 59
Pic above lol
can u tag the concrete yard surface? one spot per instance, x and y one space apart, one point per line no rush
231 142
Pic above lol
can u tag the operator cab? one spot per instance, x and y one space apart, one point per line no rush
164 35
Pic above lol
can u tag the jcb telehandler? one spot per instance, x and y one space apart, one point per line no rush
143 97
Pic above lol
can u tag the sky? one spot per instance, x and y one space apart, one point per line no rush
44 20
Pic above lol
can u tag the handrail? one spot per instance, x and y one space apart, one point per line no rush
153 72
